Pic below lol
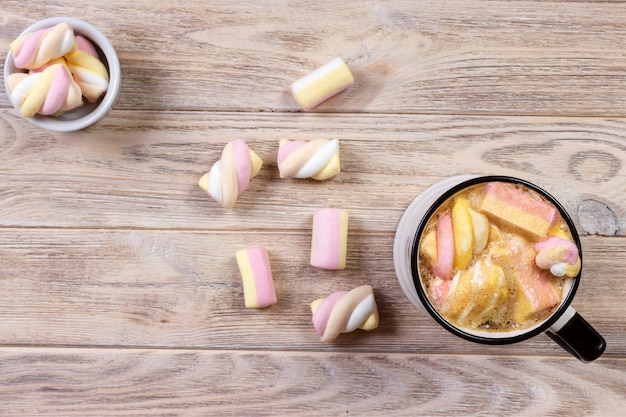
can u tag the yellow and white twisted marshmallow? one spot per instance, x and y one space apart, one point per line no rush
345 311
89 72
317 159
230 175
49 92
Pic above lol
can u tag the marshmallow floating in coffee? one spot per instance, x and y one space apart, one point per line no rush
496 256
516 208
558 255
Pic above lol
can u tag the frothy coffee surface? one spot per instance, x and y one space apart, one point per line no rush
496 256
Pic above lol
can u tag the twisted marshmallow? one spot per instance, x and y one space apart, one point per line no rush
89 72
35 49
558 255
230 175
345 311
48 92
317 159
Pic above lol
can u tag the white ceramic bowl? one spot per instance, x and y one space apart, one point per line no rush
88 113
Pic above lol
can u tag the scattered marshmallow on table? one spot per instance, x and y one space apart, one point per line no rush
330 239
317 159
230 175
256 274
344 312
321 84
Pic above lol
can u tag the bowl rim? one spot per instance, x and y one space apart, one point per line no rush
106 102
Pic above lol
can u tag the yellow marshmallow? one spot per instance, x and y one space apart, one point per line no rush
322 84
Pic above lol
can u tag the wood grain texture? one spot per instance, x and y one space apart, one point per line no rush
140 169
119 290
79 382
182 289
453 57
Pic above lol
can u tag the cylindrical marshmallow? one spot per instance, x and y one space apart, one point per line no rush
256 274
321 84
516 208
330 239
344 312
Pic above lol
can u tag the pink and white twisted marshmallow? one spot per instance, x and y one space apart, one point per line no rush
317 159
48 92
89 72
345 311
558 255
35 49
230 175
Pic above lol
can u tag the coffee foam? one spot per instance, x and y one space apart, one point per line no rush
493 324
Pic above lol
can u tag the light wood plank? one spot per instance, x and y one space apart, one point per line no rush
80 382
182 289
453 57
119 290
140 169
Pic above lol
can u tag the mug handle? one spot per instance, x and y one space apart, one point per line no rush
572 332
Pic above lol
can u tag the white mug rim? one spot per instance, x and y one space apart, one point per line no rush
491 337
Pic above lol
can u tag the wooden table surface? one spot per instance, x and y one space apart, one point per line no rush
119 290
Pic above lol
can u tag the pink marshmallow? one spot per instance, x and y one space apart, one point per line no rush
256 274
27 50
86 46
322 314
243 167
329 240
445 248
288 148
57 92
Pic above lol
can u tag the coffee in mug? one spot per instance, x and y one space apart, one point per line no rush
494 260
